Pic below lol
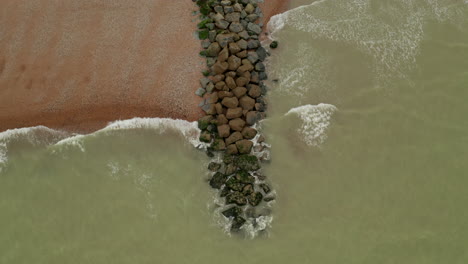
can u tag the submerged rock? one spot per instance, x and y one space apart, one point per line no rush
213 166
218 180
232 212
237 223
255 198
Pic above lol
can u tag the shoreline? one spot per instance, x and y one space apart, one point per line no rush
80 72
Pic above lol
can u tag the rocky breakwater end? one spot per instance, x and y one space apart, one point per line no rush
234 101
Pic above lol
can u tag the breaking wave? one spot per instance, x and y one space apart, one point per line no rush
44 136
316 120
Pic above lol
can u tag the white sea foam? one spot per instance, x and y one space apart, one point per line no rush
35 136
55 138
188 130
390 32
315 122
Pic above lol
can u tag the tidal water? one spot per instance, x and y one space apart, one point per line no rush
369 133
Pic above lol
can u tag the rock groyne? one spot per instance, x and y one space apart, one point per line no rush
234 102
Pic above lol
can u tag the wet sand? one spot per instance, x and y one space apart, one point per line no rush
78 65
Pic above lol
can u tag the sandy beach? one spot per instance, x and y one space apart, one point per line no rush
77 65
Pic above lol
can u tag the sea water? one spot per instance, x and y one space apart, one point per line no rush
369 135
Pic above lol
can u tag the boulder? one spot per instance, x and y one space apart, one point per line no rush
213 166
262 76
218 78
231 84
266 189
212 35
234 113
242 54
248 189
228 9
218 180
254 28
213 50
247 162
233 17
255 198
231 74
238 7
233 63
205 136
219 9
230 102
218 144
244 35
253 44
232 212
249 8
239 91
274 44
262 53
219 108
209 109
200 92
252 56
255 78
220 67
210 61
249 132
237 124
225 2
236 27
252 117
218 16
220 85
234 185
232 149
224 130
242 44
204 122
213 98
233 138
204 82
260 66
244 146
225 39
251 18
247 103
223 55
221 119
222 24
237 223
242 81
223 94
244 68
234 48
210 87
236 198
244 177
230 169
255 91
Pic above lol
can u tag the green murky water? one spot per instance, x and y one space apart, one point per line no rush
369 143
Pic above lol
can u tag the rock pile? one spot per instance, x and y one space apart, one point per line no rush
233 101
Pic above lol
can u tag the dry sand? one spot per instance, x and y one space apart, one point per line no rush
77 65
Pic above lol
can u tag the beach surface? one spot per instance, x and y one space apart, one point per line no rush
78 65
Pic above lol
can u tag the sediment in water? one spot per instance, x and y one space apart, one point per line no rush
234 102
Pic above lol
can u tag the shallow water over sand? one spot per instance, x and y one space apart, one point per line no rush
369 136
